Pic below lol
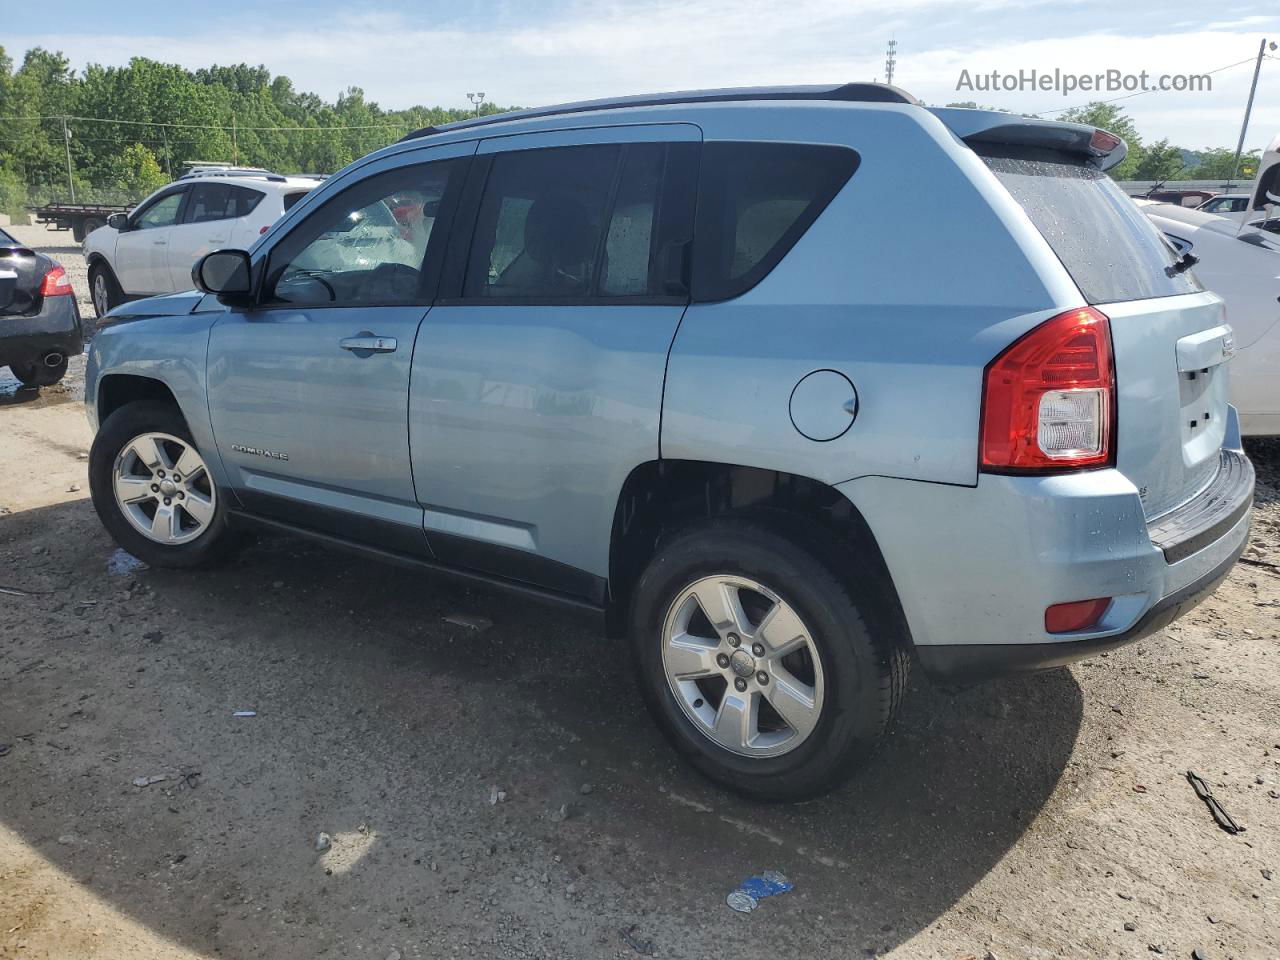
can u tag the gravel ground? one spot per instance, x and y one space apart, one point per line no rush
1045 816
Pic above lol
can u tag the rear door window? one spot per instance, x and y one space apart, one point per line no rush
755 200
1112 251
604 222
220 201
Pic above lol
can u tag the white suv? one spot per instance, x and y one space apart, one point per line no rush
151 249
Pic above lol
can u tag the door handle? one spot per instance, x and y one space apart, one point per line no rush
159 243
365 344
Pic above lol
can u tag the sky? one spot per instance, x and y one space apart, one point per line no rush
426 52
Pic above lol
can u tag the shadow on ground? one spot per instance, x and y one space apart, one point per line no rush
387 727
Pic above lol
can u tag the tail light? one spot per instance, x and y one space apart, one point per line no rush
56 284
1048 401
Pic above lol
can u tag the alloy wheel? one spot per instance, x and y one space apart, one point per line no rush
742 666
163 488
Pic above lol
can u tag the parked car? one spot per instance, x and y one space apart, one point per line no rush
1242 267
1233 206
151 250
39 318
1182 198
688 361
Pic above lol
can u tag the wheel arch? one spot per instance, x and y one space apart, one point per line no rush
117 389
661 497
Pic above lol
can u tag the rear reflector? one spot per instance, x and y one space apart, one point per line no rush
56 284
1049 399
1071 617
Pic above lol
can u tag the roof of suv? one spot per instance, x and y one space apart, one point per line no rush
863 92
275 183
1100 148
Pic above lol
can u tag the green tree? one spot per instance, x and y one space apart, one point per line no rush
1159 161
1218 163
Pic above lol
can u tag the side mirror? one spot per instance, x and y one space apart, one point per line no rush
226 274
118 221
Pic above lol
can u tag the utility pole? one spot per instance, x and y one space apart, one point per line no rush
890 61
66 138
1248 108
168 160
235 147
476 100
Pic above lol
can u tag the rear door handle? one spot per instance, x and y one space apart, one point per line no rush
365 344
159 243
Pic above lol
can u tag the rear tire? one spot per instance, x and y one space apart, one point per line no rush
38 374
153 511
849 660
104 290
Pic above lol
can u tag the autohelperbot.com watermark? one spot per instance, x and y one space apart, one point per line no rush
1068 83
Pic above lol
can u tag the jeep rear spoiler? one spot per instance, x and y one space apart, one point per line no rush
1099 148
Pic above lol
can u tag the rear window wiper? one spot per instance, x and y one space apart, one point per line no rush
1182 264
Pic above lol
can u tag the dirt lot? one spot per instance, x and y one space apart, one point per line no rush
1038 817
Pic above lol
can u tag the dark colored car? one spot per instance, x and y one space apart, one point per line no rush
39 318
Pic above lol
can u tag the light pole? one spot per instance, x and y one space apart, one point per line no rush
1248 108
476 99
66 137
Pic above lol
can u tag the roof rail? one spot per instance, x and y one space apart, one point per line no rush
223 170
859 92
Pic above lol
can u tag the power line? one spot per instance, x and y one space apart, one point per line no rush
1139 93
213 126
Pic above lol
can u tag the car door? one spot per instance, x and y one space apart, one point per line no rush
207 221
142 251
537 378
308 389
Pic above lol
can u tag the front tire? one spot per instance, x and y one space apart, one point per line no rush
767 671
104 290
153 490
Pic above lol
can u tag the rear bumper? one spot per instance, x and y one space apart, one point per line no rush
55 329
975 568
954 663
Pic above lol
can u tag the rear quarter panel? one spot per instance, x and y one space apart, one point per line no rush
917 274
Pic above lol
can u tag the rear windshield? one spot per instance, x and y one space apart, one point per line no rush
1112 251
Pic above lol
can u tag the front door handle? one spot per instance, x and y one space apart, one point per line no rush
364 344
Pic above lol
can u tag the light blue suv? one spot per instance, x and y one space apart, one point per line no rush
794 386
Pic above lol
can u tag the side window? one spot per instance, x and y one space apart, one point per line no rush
366 245
755 200
626 270
245 200
210 201
540 221
162 213
566 224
